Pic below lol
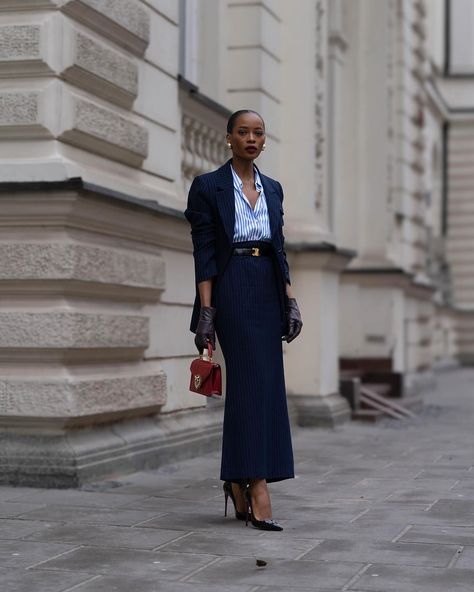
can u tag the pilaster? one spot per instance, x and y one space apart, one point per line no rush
311 361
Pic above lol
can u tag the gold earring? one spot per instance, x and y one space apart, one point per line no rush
229 145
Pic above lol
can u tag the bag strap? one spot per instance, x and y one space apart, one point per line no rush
209 350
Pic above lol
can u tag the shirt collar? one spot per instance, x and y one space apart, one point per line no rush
238 184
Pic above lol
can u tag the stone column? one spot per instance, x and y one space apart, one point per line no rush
311 361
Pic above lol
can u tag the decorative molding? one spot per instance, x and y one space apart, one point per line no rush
125 22
99 69
82 207
93 128
392 278
323 256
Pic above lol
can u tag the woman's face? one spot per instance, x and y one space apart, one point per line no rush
247 137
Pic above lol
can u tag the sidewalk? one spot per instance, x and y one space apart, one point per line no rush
386 508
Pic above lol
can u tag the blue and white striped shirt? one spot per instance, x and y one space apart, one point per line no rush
250 224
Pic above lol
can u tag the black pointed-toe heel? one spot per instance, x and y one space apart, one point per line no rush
267 524
227 487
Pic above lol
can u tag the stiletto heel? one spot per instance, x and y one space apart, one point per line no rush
267 524
227 487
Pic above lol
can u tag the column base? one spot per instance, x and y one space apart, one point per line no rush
317 411
70 458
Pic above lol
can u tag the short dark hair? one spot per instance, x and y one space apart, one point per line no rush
232 119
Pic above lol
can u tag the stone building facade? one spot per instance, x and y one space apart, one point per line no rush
109 108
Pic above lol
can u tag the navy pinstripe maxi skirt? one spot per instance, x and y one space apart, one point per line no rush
256 435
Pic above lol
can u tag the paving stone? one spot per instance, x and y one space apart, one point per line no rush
198 521
12 493
129 562
271 545
466 559
456 535
381 487
11 509
434 555
395 578
204 489
444 474
169 504
151 584
401 515
422 496
16 529
326 529
106 536
343 513
70 497
464 486
16 580
78 515
298 574
23 554
455 512
355 474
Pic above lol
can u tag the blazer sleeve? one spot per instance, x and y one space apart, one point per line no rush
282 238
201 215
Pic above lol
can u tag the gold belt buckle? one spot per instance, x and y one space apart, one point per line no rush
255 252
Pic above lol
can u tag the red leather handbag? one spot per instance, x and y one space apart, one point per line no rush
206 376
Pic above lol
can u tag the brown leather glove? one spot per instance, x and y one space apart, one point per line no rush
293 317
205 330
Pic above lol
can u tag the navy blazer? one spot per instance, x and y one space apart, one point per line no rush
211 213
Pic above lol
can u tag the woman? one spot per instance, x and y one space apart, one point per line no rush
244 295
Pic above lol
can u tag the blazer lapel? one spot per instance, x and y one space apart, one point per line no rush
225 199
273 204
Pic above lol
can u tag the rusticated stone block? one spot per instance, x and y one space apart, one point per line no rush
62 330
129 14
18 108
110 127
105 132
23 113
102 71
80 262
64 398
24 49
126 22
19 42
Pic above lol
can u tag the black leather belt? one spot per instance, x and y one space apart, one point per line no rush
257 251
